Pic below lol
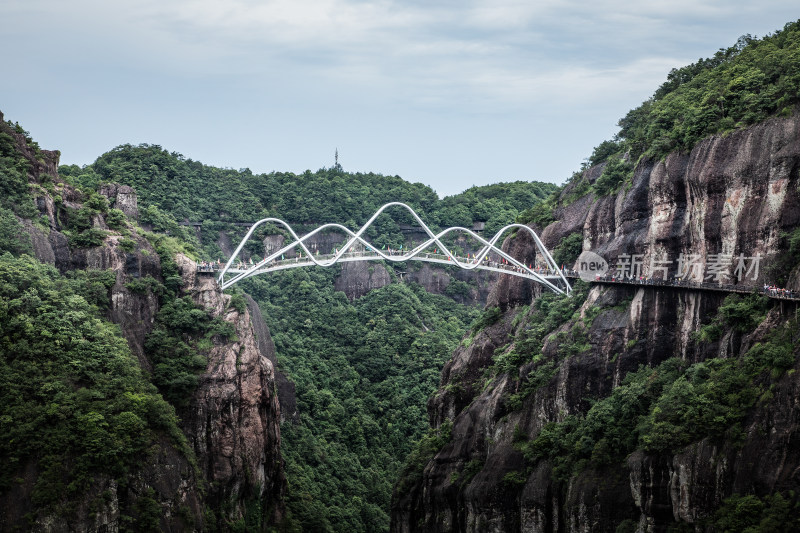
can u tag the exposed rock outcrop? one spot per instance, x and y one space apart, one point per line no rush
133 311
466 287
358 278
732 195
233 420
121 197
285 388
472 287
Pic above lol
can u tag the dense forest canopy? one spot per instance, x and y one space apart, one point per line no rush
168 185
73 396
192 191
738 86
364 371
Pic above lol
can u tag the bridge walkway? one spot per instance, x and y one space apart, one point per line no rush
299 262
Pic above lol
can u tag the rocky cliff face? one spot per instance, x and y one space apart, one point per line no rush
233 419
465 287
731 195
358 278
121 197
134 312
286 389
734 194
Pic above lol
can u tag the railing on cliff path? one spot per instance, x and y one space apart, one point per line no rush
771 292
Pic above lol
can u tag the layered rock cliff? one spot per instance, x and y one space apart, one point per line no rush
231 472
732 195
465 287
233 419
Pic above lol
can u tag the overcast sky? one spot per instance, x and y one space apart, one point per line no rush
448 93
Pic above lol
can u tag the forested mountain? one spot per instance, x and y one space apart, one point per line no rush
363 370
190 191
637 407
139 397
80 417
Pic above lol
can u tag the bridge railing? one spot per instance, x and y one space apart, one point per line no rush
356 239
213 267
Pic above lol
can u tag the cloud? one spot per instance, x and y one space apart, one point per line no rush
426 70
483 55
510 52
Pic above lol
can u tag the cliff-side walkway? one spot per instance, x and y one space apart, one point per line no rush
771 292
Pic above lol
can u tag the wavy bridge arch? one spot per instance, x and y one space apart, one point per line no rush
549 276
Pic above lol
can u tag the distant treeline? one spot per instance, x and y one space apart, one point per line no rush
188 190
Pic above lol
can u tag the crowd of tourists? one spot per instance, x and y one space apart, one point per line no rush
208 266
778 292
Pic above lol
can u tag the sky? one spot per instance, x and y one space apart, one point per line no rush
448 93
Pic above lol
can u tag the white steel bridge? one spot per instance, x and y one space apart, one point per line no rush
356 248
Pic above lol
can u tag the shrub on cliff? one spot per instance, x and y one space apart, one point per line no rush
665 408
617 172
737 312
182 335
425 449
79 223
775 513
13 237
14 190
569 249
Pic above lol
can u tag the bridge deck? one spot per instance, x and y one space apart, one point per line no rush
286 264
